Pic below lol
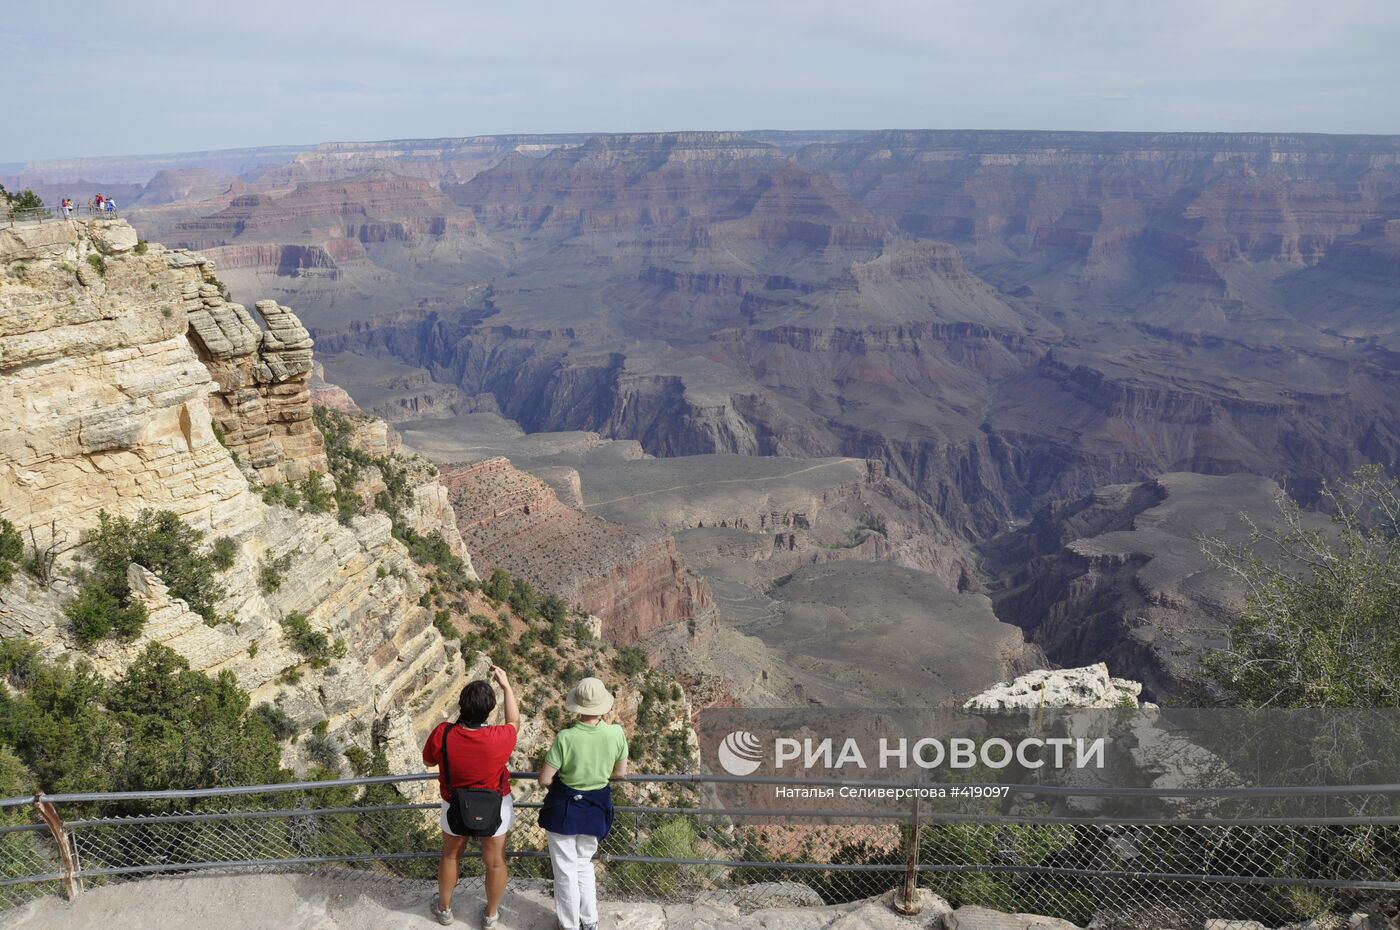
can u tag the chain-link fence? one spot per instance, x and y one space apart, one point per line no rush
672 842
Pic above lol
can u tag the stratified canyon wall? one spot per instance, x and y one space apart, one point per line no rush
1106 307
634 581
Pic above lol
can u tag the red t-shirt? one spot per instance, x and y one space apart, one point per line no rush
479 757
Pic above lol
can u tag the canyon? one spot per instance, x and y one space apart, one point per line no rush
999 352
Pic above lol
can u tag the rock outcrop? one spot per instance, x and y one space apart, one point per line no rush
634 581
262 406
1089 687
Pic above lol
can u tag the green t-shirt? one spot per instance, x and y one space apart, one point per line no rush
586 753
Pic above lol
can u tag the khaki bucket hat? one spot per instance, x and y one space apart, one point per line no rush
590 698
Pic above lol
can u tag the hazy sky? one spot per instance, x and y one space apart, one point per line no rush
89 78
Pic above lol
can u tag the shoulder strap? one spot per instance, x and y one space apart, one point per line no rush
446 766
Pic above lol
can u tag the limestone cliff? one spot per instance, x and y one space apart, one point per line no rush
108 407
117 358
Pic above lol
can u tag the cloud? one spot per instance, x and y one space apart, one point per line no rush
163 75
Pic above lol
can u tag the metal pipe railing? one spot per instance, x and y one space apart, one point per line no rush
1266 791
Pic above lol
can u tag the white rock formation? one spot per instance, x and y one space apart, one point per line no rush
1088 687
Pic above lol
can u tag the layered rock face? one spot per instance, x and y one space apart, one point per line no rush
1129 305
1095 195
107 408
370 208
452 160
105 400
634 581
263 403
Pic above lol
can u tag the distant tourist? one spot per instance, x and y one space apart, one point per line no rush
66 205
475 785
99 203
111 207
578 810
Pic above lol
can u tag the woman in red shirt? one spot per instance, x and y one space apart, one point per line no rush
477 756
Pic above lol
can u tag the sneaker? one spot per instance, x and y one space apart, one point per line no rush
488 922
442 916
587 927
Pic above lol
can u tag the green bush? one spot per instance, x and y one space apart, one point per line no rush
315 497
630 661
98 263
277 722
281 495
223 553
11 551
141 247
675 839
96 612
271 572
24 200
311 643
499 586
322 750
442 619
1317 627
161 726
157 540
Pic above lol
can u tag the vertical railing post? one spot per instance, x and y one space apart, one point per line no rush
907 901
49 815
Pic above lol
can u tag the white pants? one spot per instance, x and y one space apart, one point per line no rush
575 891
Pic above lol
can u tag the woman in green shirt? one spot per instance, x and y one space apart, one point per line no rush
578 811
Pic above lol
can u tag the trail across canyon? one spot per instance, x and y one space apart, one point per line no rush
709 484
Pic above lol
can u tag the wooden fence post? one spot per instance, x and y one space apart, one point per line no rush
54 822
907 899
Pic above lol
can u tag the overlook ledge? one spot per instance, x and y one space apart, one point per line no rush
327 902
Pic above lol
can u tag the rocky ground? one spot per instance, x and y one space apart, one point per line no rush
298 902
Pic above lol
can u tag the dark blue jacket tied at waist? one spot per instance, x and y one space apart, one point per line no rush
572 812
